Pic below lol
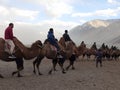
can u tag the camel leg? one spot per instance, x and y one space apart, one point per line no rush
88 57
53 68
63 70
68 67
54 62
50 72
61 62
34 62
38 63
71 59
71 64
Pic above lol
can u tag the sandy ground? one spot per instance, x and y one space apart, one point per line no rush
85 77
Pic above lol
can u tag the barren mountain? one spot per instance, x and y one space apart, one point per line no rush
99 31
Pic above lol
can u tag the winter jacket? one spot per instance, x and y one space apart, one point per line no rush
99 55
66 37
9 33
51 38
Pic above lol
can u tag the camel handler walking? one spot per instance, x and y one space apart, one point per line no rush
8 35
99 55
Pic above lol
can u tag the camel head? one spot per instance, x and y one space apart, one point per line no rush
38 43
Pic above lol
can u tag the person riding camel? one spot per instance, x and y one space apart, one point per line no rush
94 46
83 44
52 40
8 35
66 37
103 46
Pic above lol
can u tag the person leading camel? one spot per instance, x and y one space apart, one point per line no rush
99 56
8 35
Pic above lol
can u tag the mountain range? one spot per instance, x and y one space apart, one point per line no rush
99 31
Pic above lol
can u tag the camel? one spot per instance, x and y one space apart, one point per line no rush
47 52
82 49
91 51
71 52
20 52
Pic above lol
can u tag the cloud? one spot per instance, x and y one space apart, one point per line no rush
11 13
25 13
54 8
113 2
104 13
58 9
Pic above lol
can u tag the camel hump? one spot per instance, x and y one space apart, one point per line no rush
52 47
2 40
2 44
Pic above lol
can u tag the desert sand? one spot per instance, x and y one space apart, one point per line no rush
85 76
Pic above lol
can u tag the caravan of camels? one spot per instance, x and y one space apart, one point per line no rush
41 50
57 50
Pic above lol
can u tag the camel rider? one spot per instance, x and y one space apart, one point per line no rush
66 37
8 35
51 38
94 46
103 46
83 44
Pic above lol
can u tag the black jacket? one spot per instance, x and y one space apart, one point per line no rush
66 37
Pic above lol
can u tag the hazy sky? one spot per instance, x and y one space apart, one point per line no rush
33 18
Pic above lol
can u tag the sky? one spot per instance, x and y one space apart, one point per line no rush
33 18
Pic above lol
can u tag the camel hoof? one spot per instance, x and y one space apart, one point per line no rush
67 69
50 72
73 68
13 73
55 70
20 76
63 72
34 72
1 76
40 74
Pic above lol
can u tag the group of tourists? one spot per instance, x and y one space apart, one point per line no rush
8 35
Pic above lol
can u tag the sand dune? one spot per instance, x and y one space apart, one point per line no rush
85 77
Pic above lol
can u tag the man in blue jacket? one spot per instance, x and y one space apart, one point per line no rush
51 38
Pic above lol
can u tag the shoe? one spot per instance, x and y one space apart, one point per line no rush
12 56
59 56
